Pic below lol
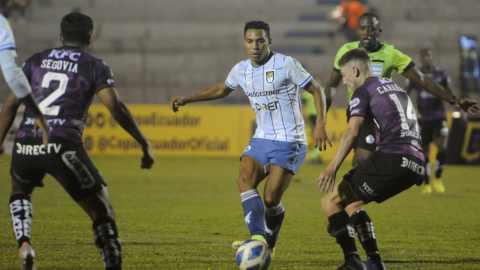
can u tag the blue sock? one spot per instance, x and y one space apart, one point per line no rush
253 212
273 222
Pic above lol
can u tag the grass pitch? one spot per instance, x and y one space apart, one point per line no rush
185 213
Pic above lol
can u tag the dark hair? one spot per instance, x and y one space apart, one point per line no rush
354 54
76 27
369 14
256 24
424 50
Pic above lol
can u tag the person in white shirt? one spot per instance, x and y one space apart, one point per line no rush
16 80
272 82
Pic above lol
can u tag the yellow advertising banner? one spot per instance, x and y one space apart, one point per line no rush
199 130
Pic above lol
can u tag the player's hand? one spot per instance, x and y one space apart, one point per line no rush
326 180
320 137
148 159
41 123
176 102
467 105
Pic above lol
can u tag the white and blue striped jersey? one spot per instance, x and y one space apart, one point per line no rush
274 93
6 35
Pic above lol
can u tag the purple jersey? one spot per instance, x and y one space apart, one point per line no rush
390 108
64 81
430 107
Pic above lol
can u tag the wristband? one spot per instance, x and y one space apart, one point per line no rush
452 101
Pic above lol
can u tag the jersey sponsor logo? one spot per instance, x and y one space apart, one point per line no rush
61 54
270 76
263 94
56 121
110 81
384 80
355 111
367 190
297 64
59 65
377 70
248 148
354 103
79 169
267 107
36 150
412 165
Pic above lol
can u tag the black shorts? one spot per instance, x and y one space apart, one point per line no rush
382 176
430 130
67 162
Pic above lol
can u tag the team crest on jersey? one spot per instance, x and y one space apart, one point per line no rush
270 76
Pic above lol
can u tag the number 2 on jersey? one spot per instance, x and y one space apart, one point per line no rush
410 112
47 78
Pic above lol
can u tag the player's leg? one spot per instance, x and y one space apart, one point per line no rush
252 172
427 133
105 232
21 210
441 140
340 226
74 170
427 188
27 173
277 183
286 159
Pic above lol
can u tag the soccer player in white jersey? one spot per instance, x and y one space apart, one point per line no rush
272 82
15 78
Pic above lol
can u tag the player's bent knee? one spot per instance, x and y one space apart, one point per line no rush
271 201
329 201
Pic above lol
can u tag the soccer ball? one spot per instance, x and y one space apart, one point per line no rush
253 255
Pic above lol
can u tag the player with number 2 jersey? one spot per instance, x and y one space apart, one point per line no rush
64 81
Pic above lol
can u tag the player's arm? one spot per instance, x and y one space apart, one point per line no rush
435 89
109 97
219 90
320 134
17 81
7 116
331 87
326 180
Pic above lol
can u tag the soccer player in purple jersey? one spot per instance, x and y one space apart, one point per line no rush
64 80
395 166
432 119
385 59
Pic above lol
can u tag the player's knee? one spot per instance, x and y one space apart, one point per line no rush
245 183
271 201
327 202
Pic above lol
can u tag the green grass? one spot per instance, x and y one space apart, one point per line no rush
184 214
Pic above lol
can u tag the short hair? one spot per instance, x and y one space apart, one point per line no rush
354 54
76 27
369 14
424 50
257 24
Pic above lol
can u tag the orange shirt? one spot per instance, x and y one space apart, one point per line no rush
352 10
